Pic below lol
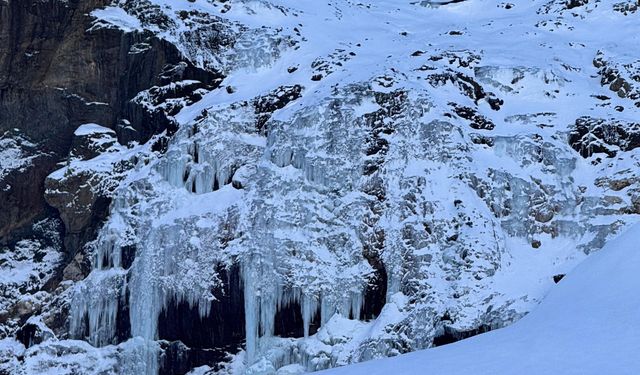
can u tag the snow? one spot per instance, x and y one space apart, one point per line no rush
91 129
27 266
588 324
14 154
55 357
10 351
18 266
117 17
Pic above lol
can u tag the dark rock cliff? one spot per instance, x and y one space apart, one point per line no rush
58 70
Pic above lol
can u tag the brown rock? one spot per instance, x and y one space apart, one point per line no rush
56 73
78 269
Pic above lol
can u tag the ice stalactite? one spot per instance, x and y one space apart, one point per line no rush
140 356
262 298
174 268
146 303
108 255
94 307
148 296
394 280
356 302
109 248
174 168
251 308
96 302
197 169
282 158
314 167
309 310
266 295
348 305
327 309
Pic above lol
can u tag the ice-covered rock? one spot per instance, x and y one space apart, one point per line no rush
339 189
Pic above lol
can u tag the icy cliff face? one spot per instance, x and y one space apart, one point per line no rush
367 180
596 290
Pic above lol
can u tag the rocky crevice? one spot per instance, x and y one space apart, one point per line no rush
193 340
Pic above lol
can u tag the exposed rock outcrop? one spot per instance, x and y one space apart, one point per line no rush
591 136
60 69
57 71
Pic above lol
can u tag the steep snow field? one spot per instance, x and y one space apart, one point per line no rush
588 324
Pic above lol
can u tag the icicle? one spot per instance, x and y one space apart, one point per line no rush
282 158
108 247
264 296
268 309
299 160
309 308
173 168
208 175
145 300
251 309
287 296
201 179
357 300
309 172
327 309
139 357
99 306
104 253
393 282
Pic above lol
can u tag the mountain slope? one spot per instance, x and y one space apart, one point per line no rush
588 324
300 185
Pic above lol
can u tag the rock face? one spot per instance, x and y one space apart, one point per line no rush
599 136
278 187
81 196
58 70
36 74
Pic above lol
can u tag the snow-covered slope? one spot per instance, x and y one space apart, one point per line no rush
588 324
368 179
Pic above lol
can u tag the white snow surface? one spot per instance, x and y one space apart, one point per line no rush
589 324
116 17
91 129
